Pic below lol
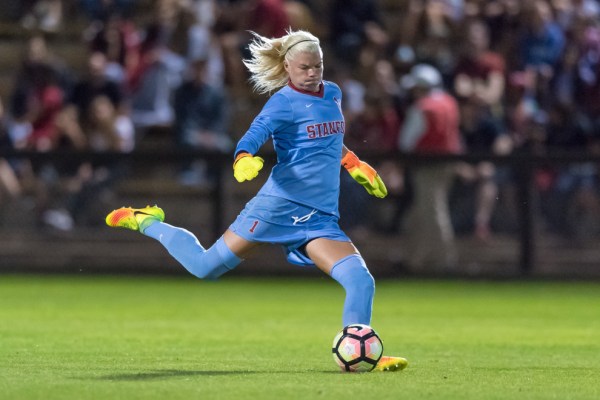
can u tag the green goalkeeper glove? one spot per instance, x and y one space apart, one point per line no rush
246 167
364 174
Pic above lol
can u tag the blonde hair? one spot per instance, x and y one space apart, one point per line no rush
268 55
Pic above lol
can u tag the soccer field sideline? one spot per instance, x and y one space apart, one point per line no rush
103 337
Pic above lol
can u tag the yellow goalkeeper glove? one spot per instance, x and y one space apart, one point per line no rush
364 174
246 167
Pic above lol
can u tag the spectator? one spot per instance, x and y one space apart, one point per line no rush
569 196
382 77
45 15
236 20
479 73
300 15
47 135
356 30
206 44
72 118
531 67
525 115
106 130
586 88
39 67
171 40
354 91
479 82
150 91
482 133
200 120
96 83
376 128
103 10
9 182
268 17
37 119
566 79
504 20
431 126
167 39
118 39
44 100
429 32
569 14
541 46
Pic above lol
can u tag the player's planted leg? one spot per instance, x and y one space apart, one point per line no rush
352 273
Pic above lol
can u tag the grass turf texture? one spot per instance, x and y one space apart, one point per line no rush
180 338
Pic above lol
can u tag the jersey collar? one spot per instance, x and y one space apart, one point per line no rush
320 93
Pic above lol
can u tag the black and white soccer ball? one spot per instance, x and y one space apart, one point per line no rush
357 348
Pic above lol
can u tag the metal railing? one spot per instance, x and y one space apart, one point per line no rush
523 163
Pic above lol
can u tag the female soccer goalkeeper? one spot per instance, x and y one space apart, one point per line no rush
298 205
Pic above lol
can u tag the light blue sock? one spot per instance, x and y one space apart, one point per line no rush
352 273
185 248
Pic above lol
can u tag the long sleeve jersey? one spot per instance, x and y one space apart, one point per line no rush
307 130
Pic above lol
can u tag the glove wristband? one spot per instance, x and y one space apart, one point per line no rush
240 156
350 160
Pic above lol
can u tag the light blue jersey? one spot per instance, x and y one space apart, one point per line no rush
307 131
297 204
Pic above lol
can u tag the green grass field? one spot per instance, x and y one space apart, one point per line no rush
96 337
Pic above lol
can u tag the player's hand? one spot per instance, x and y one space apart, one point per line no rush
246 167
364 174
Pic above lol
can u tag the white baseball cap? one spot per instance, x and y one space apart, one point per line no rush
421 75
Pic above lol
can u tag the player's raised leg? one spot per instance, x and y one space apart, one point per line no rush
180 243
136 219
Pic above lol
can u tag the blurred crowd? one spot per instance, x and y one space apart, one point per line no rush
525 76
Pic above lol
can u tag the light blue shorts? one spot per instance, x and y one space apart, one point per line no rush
269 219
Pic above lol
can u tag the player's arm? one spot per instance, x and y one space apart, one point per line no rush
246 165
363 173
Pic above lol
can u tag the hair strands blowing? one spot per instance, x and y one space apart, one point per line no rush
266 64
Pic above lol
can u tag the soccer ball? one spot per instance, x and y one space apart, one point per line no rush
357 348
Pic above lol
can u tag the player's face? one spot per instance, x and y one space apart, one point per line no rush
305 71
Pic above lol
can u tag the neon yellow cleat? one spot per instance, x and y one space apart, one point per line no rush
136 219
390 364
